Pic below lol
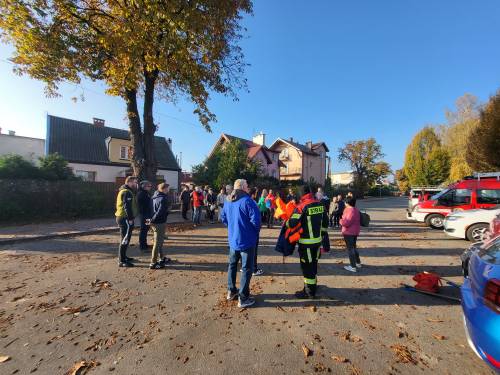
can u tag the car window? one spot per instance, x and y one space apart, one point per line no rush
491 196
440 194
491 253
455 197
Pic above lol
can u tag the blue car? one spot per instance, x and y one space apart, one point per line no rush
481 302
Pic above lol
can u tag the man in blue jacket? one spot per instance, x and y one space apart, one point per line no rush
242 218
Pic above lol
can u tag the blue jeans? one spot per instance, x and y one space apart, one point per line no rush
247 260
197 215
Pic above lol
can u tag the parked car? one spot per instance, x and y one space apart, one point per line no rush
420 194
481 191
481 302
473 225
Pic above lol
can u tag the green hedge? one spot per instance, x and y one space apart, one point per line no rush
26 201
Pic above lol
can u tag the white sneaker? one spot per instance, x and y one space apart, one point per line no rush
246 303
258 272
358 265
350 269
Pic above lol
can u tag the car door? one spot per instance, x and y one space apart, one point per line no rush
487 197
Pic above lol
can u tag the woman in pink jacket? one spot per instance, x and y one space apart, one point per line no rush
351 225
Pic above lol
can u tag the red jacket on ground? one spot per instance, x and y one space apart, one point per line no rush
351 221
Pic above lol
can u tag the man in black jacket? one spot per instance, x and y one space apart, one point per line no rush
161 207
145 206
185 199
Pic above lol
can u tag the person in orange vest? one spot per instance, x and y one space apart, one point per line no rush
271 205
311 215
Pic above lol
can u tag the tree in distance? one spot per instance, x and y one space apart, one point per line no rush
483 146
139 50
364 157
426 161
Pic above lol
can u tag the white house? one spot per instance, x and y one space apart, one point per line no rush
96 152
29 148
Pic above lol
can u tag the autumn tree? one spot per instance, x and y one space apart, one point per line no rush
140 49
402 180
426 161
364 158
456 133
483 146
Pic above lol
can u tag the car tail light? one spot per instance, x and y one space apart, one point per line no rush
492 360
492 294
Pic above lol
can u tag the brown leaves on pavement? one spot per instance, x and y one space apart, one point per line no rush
403 354
4 358
100 285
82 367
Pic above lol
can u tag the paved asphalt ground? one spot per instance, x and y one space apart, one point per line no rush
64 301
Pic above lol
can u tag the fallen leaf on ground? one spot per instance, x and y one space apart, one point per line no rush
82 367
403 353
435 320
74 310
339 358
306 350
355 370
313 308
280 308
4 358
438 337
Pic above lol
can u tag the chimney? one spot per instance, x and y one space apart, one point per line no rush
309 145
12 132
169 141
291 139
99 122
260 139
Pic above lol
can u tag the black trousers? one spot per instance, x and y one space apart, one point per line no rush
336 220
309 255
143 234
350 242
125 234
184 209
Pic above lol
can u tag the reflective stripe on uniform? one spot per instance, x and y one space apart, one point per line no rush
310 281
310 227
309 257
310 241
324 229
295 216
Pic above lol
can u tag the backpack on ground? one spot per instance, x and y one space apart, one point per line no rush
364 219
428 282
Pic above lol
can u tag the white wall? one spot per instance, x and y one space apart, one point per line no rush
171 178
29 148
104 173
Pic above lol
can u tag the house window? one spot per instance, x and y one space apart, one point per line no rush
125 152
86 175
284 153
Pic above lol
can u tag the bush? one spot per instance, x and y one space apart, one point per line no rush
14 167
52 167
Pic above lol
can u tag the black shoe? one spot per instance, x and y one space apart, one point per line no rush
125 264
165 261
156 266
129 260
302 294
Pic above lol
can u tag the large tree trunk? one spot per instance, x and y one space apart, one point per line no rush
136 136
150 162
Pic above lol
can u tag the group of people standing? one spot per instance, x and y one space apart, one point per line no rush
243 211
135 201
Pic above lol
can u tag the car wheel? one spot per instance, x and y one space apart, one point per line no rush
435 221
477 232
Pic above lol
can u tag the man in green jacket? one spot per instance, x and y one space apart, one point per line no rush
126 210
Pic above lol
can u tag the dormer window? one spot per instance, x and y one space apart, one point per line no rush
124 152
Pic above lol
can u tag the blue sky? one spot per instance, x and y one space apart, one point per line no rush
327 70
